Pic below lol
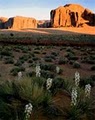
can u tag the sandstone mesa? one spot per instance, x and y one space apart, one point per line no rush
70 15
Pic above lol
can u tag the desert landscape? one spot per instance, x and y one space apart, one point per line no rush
47 67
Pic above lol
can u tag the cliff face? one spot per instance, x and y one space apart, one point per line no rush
71 15
2 21
43 23
20 23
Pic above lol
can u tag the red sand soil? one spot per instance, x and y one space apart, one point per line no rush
64 30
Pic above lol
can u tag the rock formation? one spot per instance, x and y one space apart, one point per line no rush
19 22
2 21
43 23
71 15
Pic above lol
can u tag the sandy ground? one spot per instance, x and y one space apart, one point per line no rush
65 30
84 30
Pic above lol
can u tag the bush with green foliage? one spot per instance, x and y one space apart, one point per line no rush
14 95
76 64
15 70
93 68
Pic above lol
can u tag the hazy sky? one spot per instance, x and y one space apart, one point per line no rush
39 9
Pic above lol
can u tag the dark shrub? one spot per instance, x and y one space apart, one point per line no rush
76 64
9 61
62 61
47 74
50 67
58 83
93 68
15 70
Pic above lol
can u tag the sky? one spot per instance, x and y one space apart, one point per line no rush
38 9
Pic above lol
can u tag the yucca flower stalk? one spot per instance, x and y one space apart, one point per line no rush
38 70
87 90
74 96
77 78
28 110
49 83
57 69
19 75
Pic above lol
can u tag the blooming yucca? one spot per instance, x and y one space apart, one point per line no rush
28 110
57 69
49 83
19 75
74 96
87 90
77 79
38 70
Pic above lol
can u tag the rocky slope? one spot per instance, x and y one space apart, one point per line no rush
71 15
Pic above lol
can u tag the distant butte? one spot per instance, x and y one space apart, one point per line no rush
71 15
18 22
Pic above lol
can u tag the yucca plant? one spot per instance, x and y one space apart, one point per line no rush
14 95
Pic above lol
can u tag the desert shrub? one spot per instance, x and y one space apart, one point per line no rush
62 61
58 83
54 53
25 49
72 113
85 81
92 77
19 62
30 61
50 56
9 60
5 52
47 59
88 60
71 62
47 74
31 89
35 58
49 67
38 48
30 74
73 58
69 49
36 52
76 64
25 57
15 70
11 34
93 68
62 48
44 53
82 110
14 95
51 111
69 54
91 61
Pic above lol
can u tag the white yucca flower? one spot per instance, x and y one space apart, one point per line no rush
74 96
19 75
28 110
57 69
49 83
87 90
77 79
38 70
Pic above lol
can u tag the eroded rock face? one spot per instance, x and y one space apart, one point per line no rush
2 22
43 23
71 15
19 22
